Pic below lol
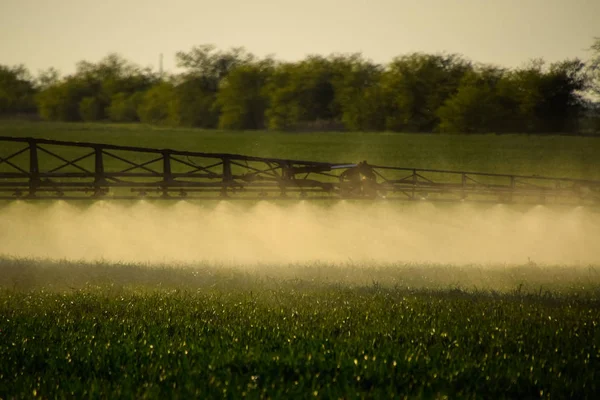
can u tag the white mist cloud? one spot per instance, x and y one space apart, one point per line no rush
265 232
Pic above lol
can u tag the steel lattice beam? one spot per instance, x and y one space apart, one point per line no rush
126 172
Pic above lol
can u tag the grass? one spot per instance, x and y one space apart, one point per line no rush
553 155
25 275
144 333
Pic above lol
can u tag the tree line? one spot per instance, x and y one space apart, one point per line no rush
236 90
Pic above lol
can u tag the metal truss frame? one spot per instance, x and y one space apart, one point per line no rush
50 169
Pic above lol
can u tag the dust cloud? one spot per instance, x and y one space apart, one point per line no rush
264 232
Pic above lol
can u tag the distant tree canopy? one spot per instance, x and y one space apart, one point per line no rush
593 68
234 89
89 94
17 90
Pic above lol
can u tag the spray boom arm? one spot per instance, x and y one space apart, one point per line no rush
49 169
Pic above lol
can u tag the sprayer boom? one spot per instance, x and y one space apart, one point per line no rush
50 169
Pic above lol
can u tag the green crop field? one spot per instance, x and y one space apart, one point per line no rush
560 156
85 329
133 331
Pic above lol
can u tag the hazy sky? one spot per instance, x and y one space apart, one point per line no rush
44 33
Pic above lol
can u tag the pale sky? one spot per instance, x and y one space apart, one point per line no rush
44 33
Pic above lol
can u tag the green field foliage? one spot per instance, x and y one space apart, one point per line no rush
321 331
552 155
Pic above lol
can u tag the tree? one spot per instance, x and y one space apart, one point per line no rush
242 97
418 85
90 109
156 106
17 91
593 69
360 96
194 103
196 89
591 121
233 89
477 106
204 61
123 107
60 101
284 109
303 94
545 99
47 78
563 104
113 75
60 98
